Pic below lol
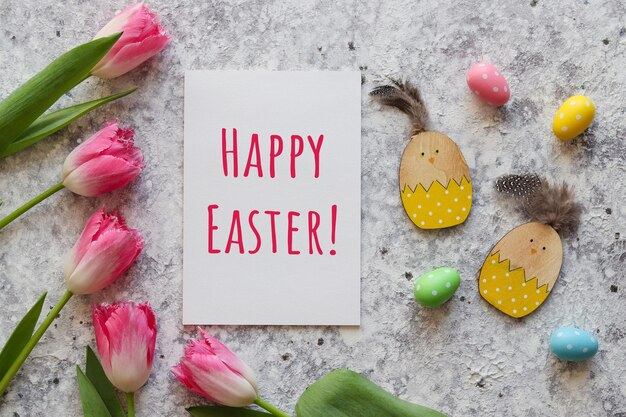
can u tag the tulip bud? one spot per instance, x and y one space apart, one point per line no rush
104 251
105 162
142 37
125 337
211 370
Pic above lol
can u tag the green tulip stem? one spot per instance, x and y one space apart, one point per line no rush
17 213
269 407
15 366
130 403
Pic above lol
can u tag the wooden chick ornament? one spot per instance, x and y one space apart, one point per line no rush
522 268
435 184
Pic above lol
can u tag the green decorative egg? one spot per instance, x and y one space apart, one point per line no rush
436 287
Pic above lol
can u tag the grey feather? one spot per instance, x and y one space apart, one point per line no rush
404 96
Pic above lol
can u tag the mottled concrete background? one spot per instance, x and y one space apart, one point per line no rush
466 358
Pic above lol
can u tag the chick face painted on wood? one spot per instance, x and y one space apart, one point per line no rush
430 157
435 184
522 268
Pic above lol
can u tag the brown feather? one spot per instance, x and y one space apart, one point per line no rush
404 96
555 206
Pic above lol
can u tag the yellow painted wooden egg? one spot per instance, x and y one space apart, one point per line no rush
435 184
573 117
521 270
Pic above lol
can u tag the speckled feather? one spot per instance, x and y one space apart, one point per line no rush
518 185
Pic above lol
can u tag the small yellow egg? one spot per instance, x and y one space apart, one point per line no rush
573 117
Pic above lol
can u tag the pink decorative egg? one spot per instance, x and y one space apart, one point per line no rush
488 84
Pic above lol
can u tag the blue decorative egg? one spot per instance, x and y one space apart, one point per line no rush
572 344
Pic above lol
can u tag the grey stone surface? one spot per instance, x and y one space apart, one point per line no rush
465 359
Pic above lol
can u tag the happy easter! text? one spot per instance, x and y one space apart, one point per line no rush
271 231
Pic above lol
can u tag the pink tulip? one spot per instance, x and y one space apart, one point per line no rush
211 370
104 251
143 36
105 162
125 337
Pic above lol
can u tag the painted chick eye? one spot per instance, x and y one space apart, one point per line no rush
437 151
422 153
544 248
532 240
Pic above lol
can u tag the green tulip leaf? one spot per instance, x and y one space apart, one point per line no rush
344 393
54 121
20 336
219 411
22 107
93 405
101 383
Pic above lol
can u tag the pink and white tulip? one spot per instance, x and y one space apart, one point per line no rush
104 251
125 338
211 370
143 37
105 162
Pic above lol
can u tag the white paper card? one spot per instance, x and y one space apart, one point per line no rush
272 198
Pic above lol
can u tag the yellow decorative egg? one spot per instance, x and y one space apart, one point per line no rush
573 117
